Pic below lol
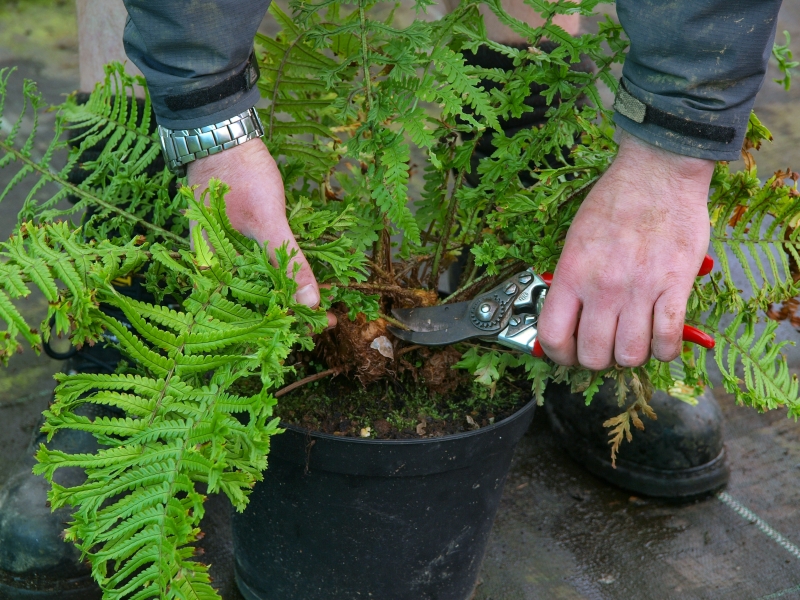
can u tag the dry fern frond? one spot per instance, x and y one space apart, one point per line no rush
622 425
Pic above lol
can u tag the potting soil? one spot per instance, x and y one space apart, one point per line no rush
399 409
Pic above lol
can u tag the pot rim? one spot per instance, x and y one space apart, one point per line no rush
528 406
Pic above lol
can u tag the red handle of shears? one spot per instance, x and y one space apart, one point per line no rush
690 334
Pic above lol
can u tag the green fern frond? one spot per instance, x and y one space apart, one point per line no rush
463 82
136 515
756 224
753 368
127 153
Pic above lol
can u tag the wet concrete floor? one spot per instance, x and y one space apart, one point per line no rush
561 533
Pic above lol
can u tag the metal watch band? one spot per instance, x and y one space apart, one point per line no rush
182 146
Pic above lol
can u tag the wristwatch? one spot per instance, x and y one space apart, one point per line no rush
182 146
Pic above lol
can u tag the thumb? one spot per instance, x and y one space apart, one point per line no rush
307 287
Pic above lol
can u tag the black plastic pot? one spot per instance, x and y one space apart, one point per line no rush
340 518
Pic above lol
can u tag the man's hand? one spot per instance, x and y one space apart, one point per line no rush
629 261
256 204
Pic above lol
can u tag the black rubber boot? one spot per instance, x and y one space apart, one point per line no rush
680 454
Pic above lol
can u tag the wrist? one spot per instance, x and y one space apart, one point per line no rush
181 147
237 164
657 164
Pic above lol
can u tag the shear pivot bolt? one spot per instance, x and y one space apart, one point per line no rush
525 278
486 311
514 321
511 288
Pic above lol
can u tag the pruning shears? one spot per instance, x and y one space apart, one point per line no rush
507 315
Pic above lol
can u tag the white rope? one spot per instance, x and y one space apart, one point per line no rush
749 515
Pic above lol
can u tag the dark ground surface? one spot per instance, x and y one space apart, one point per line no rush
561 533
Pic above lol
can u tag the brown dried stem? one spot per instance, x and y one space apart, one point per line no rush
293 386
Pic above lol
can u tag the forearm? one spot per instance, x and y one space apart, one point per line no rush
697 66
187 52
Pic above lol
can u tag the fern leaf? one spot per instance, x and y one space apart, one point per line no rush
10 314
162 255
223 249
249 291
137 349
225 310
768 382
34 267
295 128
50 460
127 135
163 315
463 83
207 342
11 280
201 363
165 340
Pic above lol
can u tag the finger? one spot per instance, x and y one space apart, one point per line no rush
307 287
324 288
557 325
596 336
634 333
332 321
668 316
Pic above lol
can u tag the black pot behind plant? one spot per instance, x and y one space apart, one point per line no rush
339 517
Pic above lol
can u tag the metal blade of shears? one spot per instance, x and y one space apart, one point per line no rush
435 325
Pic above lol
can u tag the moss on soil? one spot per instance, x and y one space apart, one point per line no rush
394 409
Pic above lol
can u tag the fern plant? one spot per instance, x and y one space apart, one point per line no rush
138 511
375 128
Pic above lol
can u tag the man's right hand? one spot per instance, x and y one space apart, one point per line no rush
256 204
629 261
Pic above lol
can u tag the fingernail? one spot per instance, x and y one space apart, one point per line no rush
307 295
